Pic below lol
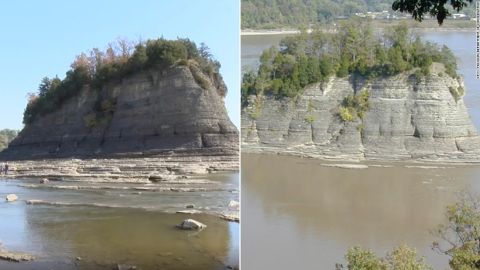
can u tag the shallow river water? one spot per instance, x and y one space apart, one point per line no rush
106 227
304 212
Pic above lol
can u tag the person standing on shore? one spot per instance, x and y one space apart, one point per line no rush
2 168
5 168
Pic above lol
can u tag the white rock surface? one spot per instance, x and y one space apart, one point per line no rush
191 224
11 198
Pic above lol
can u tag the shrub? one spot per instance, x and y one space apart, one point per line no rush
461 233
401 258
347 114
405 258
90 120
457 93
199 79
310 118
355 106
363 259
256 111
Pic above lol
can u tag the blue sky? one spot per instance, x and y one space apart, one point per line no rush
42 38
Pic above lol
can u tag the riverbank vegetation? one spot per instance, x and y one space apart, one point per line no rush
354 106
275 14
459 239
6 136
305 58
401 258
121 59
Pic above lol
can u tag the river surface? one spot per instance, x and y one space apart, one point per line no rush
304 214
126 225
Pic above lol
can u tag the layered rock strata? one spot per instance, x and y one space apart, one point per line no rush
151 113
410 117
126 170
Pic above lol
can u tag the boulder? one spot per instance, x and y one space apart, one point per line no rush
234 217
191 224
34 201
44 181
11 198
233 205
193 211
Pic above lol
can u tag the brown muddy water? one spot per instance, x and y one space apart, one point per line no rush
106 228
298 211
300 214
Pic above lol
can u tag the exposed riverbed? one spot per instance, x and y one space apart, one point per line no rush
106 224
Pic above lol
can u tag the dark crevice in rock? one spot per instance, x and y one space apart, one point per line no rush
416 133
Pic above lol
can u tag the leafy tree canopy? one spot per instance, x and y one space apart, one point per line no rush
6 136
401 258
119 60
353 49
436 8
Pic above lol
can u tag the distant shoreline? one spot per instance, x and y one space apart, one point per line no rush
252 32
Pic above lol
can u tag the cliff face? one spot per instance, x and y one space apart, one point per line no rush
408 118
150 113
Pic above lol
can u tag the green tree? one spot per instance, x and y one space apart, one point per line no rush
354 49
97 68
44 86
363 259
6 136
460 236
438 8
139 58
405 258
401 258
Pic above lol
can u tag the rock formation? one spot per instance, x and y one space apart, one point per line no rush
150 113
191 224
410 117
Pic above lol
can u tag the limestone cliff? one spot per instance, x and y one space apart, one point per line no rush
409 118
149 113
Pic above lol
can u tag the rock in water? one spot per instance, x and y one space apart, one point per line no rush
44 181
409 118
191 224
191 212
153 112
11 198
35 202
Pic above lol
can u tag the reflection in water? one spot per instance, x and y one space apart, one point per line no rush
308 214
104 237
148 240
